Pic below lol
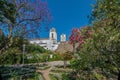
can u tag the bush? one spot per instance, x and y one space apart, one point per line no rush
70 76
32 58
26 72
32 48
46 57
56 57
11 56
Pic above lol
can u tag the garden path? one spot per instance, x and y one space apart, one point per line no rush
45 73
52 64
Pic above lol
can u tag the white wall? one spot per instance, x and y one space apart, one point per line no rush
47 44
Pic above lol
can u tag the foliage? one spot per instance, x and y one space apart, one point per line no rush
7 10
11 56
78 37
2 39
74 38
56 57
55 77
99 55
107 11
27 72
32 48
21 18
107 28
35 53
67 56
32 58
46 57
36 57
69 76
23 13
18 42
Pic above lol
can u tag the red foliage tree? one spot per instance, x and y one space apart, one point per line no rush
75 37
79 36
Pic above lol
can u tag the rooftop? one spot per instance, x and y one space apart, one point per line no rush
53 30
40 39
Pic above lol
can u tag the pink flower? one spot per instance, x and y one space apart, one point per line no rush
76 37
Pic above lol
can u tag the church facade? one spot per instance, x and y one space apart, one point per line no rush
49 43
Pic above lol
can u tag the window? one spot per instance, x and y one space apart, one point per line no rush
52 35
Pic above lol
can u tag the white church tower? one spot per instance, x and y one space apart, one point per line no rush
47 43
63 38
53 35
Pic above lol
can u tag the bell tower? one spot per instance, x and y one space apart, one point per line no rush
63 38
53 35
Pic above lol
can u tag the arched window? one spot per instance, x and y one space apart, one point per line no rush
52 35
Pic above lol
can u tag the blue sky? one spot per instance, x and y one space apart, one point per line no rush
68 14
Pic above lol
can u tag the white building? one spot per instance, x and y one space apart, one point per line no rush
48 43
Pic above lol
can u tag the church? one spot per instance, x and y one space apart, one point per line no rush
50 43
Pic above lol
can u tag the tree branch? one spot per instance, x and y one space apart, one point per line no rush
29 19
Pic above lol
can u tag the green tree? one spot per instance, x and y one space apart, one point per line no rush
107 33
100 53
32 48
67 56
21 18
11 56
7 10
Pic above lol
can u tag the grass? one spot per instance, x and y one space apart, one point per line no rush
55 77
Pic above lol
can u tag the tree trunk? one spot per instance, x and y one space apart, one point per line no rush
10 40
65 63
74 50
10 36
119 75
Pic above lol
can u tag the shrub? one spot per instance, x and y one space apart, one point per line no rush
70 76
46 57
32 58
11 56
56 57
32 48
26 72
